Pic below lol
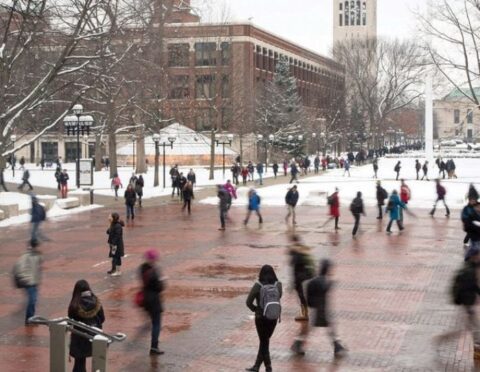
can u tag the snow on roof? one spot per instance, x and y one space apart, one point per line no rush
187 142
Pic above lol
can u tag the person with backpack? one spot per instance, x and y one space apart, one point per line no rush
254 201
291 199
471 218
397 168
27 273
318 290
303 269
382 194
264 300
130 200
232 190
38 215
425 170
133 180
153 284
116 184
464 293
25 180
84 307
418 166
393 206
356 207
333 202
115 243
139 184
405 195
64 183
441 192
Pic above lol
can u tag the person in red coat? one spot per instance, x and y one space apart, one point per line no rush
405 195
334 203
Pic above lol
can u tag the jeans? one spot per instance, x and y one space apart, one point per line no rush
294 178
260 178
32 300
265 328
186 204
435 206
25 182
35 231
156 319
249 212
380 211
357 223
80 365
130 211
64 190
223 214
291 212
399 224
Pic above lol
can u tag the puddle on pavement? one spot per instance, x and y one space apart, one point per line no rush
214 292
264 246
228 271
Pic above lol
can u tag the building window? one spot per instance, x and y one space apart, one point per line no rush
359 13
50 151
346 13
178 55
225 88
340 6
204 120
71 151
179 87
469 134
227 117
456 116
225 53
205 54
469 116
364 14
340 20
205 86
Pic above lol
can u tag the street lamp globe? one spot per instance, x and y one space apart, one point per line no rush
290 138
300 137
77 109
230 137
271 137
260 137
172 139
86 120
13 138
322 134
314 135
156 137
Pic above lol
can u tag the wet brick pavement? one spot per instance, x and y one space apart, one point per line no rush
391 295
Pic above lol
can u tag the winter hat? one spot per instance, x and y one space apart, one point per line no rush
472 193
151 255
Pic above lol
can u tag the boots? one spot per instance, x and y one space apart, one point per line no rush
297 347
303 316
114 267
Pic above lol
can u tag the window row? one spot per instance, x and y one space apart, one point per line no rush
353 13
206 54
207 119
457 119
205 87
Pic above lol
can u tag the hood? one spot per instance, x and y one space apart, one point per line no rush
300 248
89 307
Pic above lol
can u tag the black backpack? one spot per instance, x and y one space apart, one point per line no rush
330 200
390 205
356 206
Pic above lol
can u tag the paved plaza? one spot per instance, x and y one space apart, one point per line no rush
391 296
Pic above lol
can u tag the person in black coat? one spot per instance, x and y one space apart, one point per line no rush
139 184
25 180
275 169
291 199
84 307
191 176
153 285
130 199
115 242
357 209
318 301
382 194
182 181
187 196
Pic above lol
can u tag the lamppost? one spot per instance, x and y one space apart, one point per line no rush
13 138
223 139
270 140
156 138
74 124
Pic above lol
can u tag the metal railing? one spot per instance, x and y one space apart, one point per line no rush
59 329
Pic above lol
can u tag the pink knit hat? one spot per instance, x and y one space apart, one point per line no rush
151 255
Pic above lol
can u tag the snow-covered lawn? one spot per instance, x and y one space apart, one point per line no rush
102 181
24 204
423 192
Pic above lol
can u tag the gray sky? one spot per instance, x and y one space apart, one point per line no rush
309 22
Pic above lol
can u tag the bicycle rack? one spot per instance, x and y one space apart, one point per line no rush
59 329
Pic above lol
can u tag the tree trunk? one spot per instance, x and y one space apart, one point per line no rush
140 166
241 149
212 154
98 153
112 153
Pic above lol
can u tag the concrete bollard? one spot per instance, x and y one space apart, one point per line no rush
99 353
58 347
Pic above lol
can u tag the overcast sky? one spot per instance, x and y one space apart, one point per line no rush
309 22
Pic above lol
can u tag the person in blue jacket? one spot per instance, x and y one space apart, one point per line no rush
253 206
393 207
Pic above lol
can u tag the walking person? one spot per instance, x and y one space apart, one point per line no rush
153 284
174 175
397 168
139 184
260 173
223 201
346 168
405 195
182 181
115 242
251 171
235 169
64 183
418 166
22 163
334 203
38 215
2 180
266 291
393 206
425 170
318 298
382 194
441 192
27 273
187 197
291 199
275 169
244 175
375 168
133 180
253 206
192 177
471 219
285 167
116 184
293 172
130 199
357 208
84 307
25 180
58 172
316 164
303 269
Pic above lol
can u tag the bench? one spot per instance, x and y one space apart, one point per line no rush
68 203
9 210
82 196
47 201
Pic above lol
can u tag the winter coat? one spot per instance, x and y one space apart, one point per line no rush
152 286
130 197
182 181
301 263
38 212
192 177
347 165
254 202
404 193
441 192
29 268
254 295
317 299
230 189
469 215
470 288
116 182
63 178
357 206
293 170
224 198
418 166
260 168
381 195
275 168
90 312
396 205
139 184
26 175
251 168
291 198
187 193
115 238
335 206
244 172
